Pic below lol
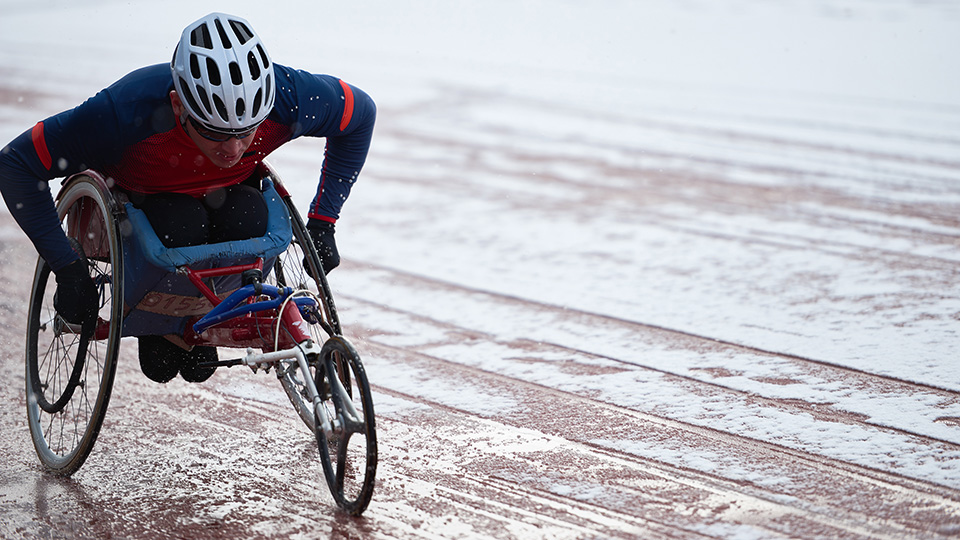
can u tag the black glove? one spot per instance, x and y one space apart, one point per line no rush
76 299
322 234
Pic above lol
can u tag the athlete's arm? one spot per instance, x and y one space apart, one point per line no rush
59 146
328 107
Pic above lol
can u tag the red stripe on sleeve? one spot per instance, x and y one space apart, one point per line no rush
322 218
40 145
347 106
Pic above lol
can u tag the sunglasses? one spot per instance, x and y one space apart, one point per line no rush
219 136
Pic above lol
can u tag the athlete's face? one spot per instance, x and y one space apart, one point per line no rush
221 153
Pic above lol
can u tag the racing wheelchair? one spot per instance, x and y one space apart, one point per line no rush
267 295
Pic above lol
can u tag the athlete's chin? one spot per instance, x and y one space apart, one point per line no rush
225 162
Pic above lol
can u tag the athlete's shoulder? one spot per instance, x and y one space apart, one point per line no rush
292 82
141 101
316 104
130 110
147 84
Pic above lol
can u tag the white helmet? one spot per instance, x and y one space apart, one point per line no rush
223 74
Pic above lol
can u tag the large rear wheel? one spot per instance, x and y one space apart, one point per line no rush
70 368
299 267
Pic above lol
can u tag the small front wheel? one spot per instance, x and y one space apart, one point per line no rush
349 452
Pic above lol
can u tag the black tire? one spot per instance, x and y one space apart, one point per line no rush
349 454
350 467
69 373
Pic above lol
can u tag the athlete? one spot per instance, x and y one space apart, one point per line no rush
183 140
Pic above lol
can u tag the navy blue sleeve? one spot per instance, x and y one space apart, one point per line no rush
89 136
28 198
58 146
325 106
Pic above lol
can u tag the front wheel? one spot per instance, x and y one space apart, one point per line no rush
349 452
69 368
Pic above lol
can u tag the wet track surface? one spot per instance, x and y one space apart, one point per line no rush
504 415
228 459
548 456
734 320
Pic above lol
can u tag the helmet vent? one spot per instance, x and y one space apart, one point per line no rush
187 95
243 33
235 75
200 37
204 99
254 66
241 108
263 56
257 101
195 66
213 72
221 108
269 88
223 35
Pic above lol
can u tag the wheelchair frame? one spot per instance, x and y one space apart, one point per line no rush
283 315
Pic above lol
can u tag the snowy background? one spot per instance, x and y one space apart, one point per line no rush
778 179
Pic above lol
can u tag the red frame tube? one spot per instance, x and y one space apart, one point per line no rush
255 330
197 276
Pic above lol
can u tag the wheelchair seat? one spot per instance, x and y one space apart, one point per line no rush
159 300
